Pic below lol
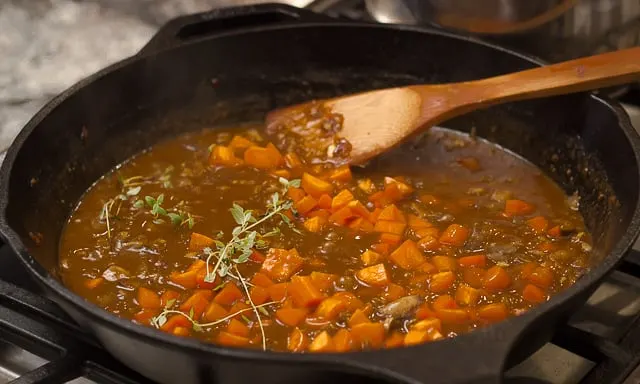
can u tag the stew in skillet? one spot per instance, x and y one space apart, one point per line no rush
218 235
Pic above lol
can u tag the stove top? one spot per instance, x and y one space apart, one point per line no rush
50 45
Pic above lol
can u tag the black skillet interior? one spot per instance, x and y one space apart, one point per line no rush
236 78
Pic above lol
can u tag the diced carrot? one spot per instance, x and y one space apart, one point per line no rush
291 316
314 224
278 292
322 343
223 156
424 312
542 277
385 226
261 280
259 295
555 231
539 224
239 142
375 275
408 255
145 315
351 301
467 295
257 257
342 340
201 280
303 292
415 337
533 294
473 261
358 317
527 269
515 207
429 243
373 217
298 341
427 267
444 263
381 248
292 161
214 312
330 308
186 279
168 297
417 223
342 173
391 239
474 276
359 209
452 315
181 331
426 324
340 200
497 279
341 216
369 334
441 282
197 303
93 283
229 339
370 257
197 265
493 312
263 158
228 295
425 232
305 205
238 307
281 264
324 202
395 340
366 186
177 320
360 224
198 242
238 328
455 234
470 163
295 194
392 213
314 186
322 213
444 302
393 292
324 281
148 299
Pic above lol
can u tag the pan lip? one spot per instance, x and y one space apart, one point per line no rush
192 346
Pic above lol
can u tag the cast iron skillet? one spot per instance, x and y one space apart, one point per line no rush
230 66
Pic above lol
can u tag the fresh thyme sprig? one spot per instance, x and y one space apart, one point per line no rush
159 320
178 218
244 238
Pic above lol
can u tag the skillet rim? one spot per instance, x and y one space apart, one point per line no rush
194 346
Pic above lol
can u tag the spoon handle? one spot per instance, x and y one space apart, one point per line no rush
584 74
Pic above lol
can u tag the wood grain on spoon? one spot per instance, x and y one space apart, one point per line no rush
376 121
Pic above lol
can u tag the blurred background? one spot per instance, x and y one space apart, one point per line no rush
47 45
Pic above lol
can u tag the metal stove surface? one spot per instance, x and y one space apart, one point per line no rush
38 62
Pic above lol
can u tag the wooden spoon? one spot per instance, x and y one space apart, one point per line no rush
376 121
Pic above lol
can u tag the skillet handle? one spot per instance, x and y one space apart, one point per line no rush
225 20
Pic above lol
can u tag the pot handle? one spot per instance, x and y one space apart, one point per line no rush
224 20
